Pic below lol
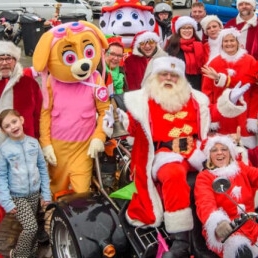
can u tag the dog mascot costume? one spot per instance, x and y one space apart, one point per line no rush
126 18
74 102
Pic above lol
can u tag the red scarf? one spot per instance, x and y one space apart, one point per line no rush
193 52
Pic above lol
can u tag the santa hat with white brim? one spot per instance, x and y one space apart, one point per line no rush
251 2
168 64
9 48
224 140
228 31
185 20
208 19
144 36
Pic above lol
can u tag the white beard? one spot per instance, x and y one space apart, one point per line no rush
171 99
8 76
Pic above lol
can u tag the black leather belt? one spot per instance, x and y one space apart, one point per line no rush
182 144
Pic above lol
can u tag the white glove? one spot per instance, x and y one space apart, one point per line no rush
252 125
96 146
238 91
109 116
120 115
49 155
223 229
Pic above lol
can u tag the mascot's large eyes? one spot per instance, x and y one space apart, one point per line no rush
69 57
135 16
119 15
89 51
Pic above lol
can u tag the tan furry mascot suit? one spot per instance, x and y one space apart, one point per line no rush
74 102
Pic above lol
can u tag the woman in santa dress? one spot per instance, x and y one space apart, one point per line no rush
211 26
216 210
225 72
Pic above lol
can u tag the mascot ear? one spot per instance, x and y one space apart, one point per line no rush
99 33
149 20
104 21
42 51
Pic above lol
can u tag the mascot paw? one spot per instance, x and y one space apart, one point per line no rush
96 146
49 155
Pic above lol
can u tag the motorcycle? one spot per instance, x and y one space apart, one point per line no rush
94 225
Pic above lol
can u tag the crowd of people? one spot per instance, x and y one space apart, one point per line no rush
187 88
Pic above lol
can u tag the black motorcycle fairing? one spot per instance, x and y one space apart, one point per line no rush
92 221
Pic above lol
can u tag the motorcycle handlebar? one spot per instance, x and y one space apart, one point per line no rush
239 222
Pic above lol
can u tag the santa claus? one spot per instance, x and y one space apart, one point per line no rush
168 120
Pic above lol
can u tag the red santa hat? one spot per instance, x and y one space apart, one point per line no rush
168 64
115 40
185 20
144 36
127 3
251 2
208 19
8 48
224 140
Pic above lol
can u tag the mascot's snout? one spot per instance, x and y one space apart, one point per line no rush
81 69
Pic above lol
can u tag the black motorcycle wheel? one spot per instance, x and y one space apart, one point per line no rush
63 240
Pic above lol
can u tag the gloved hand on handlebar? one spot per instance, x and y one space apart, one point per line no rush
238 91
223 229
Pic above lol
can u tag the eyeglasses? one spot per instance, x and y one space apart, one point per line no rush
8 60
150 42
214 150
187 28
112 54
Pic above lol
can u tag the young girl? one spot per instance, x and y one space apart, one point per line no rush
23 180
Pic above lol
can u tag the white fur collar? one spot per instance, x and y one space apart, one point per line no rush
229 171
240 53
252 21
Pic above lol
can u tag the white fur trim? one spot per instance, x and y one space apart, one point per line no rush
214 126
251 2
222 139
178 221
168 64
142 37
222 80
208 19
229 171
205 119
196 159
251 125
185 20
210 225
227 108
9 48
234 58
163 158
233 244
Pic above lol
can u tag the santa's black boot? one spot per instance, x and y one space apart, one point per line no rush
244 252
180 247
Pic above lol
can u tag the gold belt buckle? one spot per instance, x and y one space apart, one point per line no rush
183 144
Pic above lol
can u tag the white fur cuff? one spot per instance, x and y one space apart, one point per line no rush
163 158
227 108
178 221
196 159
222 80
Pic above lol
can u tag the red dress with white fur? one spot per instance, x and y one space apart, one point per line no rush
214 207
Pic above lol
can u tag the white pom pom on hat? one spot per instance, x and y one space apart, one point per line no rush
9 48
185 20
208 19
224 140
251 2
168 64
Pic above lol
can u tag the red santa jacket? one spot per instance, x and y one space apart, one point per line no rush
232 71
214 207
251 38
146 207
